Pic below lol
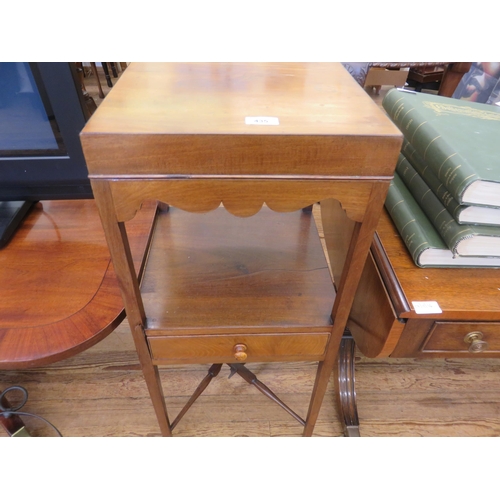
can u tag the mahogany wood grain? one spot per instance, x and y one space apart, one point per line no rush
240 196
445 339
376 327
213 371
207 98
357 253
190 119
396 397
345 387
388 276
60 294
462 294
450 337
337 230
217 273
121 254
251 378
177 133
383 320
244 154
219 348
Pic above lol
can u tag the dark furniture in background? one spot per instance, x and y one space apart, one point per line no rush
453 71
116 68
42 111
426 77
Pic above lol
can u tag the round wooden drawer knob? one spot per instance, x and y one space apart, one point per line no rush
476 344
239 351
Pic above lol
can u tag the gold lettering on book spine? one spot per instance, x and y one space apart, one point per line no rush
453 109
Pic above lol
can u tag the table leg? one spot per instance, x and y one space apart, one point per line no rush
251 378
212 373
358 249
113 69
94 69
345 388
452 76
106 74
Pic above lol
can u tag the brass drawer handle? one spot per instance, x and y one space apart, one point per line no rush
240 352
476 344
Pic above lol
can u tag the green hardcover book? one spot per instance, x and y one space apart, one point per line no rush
464 240
458 139
423 242
463 214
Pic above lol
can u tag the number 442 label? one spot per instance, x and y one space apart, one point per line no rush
261 120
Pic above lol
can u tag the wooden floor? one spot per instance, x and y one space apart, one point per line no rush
101 392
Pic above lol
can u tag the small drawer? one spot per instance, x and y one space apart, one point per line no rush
238 348
476 338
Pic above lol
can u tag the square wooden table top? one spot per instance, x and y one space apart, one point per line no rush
300 119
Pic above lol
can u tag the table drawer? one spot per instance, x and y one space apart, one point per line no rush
233 348
475 338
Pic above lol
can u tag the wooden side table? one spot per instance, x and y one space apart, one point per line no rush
60 294
385 322
255 287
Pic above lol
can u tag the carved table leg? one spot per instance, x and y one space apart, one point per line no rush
113 69
94 70
106 74
345 387
251 378
213 371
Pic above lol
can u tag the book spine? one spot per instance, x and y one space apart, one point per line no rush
415 230
453 170
438 188
451 232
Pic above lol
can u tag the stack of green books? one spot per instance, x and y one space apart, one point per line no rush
445 197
